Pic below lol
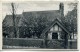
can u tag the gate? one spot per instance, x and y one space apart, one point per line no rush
55 44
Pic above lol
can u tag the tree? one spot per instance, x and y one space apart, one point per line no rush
35 23
5 27
71 19
13 17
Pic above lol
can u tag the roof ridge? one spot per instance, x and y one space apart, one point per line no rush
41 11
11 14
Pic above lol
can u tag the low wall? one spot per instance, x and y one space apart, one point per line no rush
72 44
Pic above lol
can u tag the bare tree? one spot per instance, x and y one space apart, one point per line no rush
13 17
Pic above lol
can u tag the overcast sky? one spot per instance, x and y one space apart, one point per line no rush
34 6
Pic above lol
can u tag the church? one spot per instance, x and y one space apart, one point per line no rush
55 28
41 27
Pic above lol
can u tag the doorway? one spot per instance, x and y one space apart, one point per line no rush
54 35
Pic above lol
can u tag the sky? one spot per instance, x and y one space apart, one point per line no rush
34 6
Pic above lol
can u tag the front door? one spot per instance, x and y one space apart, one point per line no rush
54 35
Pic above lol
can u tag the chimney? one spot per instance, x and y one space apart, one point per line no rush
61 8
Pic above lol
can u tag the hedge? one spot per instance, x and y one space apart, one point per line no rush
23 42
40 43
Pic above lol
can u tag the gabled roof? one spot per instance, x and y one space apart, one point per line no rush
56 21
49 14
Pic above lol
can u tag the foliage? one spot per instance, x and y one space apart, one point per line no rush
34 25
71 21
